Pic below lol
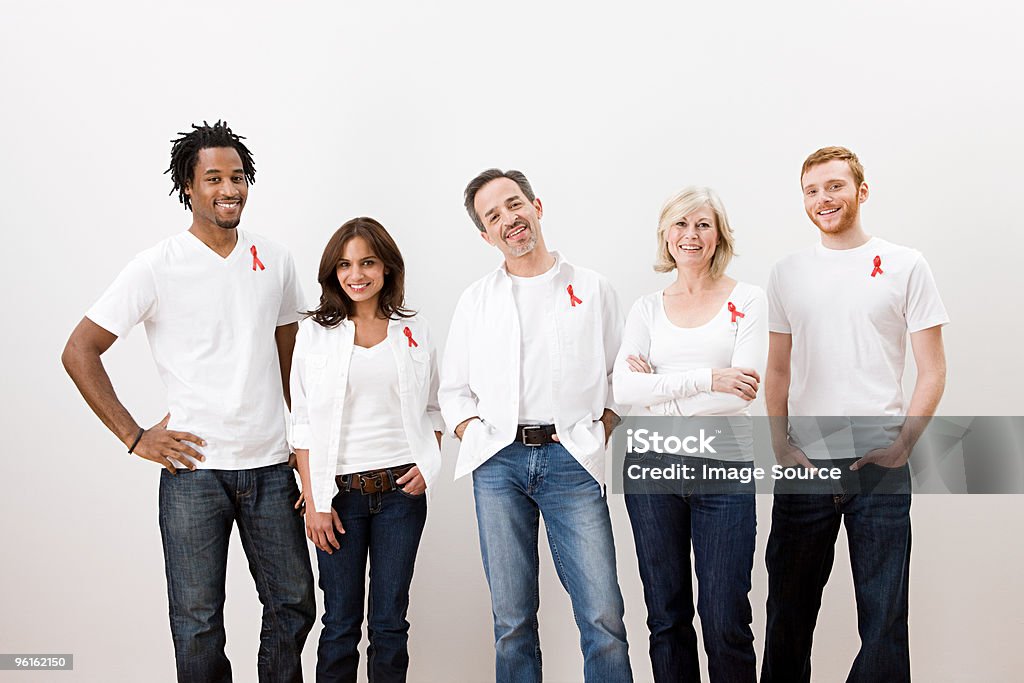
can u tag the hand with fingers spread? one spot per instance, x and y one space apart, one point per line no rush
320 528
412 482
742 382
167 447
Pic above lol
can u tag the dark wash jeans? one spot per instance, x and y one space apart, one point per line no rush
197 512
801 549
387 529
668 516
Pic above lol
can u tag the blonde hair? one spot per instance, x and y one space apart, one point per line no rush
826 154
683 203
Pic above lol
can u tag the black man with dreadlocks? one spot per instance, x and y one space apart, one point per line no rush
220 307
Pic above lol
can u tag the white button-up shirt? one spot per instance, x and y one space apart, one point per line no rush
319 383
480 372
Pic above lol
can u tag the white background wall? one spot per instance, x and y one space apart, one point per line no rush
387 110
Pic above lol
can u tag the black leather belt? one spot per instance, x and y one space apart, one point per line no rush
535 435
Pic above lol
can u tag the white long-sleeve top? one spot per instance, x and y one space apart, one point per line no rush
682 358
480 373
319 384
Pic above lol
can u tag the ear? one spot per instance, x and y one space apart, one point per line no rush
487 238
862 193
188 189
538 206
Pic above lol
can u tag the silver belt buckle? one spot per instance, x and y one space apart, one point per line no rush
528 433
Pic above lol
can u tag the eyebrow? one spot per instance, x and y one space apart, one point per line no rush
217 170
827 182
514 197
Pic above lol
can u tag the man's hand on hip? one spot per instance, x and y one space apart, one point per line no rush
165 447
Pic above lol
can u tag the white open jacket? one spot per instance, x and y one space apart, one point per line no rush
319 385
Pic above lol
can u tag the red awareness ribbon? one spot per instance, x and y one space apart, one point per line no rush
256 259
408 334
878 267
573 299
735 313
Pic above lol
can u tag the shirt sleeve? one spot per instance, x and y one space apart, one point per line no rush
777 319
129 300
924 305
458 402
647 389
611 324
291 295
299 423
433 406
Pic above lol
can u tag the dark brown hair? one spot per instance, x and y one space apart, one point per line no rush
336 306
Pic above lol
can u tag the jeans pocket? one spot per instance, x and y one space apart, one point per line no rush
401 492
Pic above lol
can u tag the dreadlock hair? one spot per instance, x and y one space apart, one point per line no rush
185 154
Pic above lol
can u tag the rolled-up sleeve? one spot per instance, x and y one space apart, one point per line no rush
300 435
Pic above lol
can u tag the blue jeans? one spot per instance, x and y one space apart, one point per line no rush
512 490
197 512
387 529
667 516
801 548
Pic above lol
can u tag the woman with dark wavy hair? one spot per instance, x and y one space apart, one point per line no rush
366 429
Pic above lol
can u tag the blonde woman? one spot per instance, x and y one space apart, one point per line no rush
698 347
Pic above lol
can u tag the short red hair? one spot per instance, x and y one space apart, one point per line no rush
832 153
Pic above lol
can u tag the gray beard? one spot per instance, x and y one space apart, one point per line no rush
526 248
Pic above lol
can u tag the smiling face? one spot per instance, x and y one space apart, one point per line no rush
692 240
511 222
832 197
360 271
218 189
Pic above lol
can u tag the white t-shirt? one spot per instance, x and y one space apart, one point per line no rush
537 329
849 326
372 430
210 323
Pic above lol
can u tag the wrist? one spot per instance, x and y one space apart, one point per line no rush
460 428
127 436
133 444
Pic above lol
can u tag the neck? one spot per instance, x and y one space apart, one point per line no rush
537 262
847 239
221 240
364 311
692 280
